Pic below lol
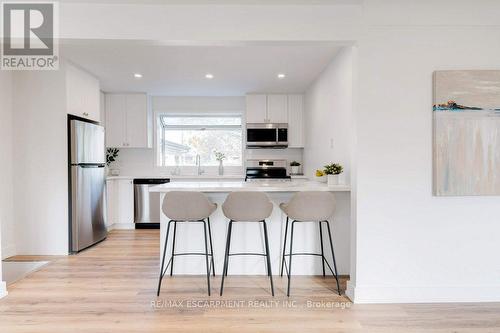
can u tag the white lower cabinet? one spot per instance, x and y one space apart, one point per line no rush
120 203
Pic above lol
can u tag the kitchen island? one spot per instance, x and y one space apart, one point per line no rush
190 237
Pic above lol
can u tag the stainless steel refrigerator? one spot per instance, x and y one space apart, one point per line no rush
86 184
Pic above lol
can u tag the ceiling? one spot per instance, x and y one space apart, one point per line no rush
179 69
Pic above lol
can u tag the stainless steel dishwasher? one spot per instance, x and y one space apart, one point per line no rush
146 204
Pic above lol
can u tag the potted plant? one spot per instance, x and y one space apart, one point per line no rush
111 156
294 166
333 171
219 156
320 176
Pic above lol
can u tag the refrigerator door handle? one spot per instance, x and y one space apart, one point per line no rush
91 165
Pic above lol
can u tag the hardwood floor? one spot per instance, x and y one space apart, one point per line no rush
111 288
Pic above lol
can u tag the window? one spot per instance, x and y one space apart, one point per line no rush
182 138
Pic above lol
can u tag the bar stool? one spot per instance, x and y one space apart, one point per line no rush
313 206
247 207
189 207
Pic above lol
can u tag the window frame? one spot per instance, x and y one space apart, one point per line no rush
188 169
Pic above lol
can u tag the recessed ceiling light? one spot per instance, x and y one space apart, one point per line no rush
281 76
137 75
209 76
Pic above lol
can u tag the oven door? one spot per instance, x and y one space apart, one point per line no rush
262 137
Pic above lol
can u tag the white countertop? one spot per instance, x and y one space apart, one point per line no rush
190 177
177 177
231 186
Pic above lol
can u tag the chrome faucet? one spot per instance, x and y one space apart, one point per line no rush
198 165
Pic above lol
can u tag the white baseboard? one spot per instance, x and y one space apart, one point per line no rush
350 289
3 289
121 226
423 294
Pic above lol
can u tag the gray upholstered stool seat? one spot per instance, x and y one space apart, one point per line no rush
187 206
191 207
311 206
247 207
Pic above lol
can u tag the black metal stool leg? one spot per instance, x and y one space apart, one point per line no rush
321 242
226 255
333 256
290 260
206 256
211 247
163 260
284 247
269 271
229 246
173 249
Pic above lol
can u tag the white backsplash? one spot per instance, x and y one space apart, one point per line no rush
136 161
141 162
288 154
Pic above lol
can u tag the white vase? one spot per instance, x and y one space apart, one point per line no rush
294 170
333 180
221 168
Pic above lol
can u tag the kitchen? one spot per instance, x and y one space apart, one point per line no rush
242 139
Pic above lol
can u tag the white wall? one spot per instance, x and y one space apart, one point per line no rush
7 232
198 104
411 246
329 136
6 168
328 116
40 163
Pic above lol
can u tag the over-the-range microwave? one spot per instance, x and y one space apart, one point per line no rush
267 135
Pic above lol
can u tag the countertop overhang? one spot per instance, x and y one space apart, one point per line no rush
232 186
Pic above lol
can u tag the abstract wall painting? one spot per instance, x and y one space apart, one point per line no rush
466 117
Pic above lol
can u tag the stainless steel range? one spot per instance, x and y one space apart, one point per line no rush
266 170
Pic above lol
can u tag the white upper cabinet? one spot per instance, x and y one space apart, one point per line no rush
277 109
128 121
82 93
266 109
256 109
296 121
115 111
